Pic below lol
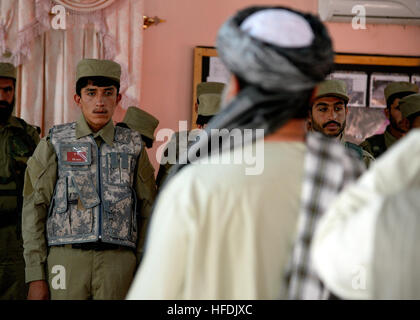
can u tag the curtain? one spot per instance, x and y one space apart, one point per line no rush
47 58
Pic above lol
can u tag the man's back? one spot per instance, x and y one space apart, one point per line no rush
240 230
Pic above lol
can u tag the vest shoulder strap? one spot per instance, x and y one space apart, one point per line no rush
354 147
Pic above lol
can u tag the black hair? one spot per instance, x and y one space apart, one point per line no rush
96 81
202 120
147 141
398 95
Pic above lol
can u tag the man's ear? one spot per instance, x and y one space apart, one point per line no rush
386 111
119 97
77 98
234 87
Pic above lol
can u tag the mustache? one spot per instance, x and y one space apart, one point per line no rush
331 122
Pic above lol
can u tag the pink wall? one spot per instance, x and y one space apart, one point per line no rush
167 71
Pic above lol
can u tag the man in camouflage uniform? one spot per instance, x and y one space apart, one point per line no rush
208 104
398 126
17 141
82 222
328 115
145 124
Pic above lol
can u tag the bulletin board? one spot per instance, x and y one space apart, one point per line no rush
365 75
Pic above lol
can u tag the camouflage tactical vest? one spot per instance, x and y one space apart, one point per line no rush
355 148
94 196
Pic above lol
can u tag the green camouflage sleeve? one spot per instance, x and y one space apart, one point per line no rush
145 186
368 158
33 133
40 179
365 145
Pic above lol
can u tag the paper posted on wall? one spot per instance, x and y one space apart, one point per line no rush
356 83
415 78
378 82
217 71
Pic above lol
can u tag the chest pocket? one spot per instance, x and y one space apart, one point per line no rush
21 148
75 157
119 168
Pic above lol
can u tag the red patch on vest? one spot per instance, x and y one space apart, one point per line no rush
78 157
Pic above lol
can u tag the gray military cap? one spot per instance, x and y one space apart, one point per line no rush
410 105
98 68
335 88
7 70
400 86
141 121
209 97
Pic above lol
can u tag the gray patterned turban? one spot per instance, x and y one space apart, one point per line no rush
269 66
277 80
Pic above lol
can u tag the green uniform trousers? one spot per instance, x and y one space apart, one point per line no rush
76 274
12 265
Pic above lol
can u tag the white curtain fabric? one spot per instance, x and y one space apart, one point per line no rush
47 58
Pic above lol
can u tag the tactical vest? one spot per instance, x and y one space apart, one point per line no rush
355 148
20 147
94 198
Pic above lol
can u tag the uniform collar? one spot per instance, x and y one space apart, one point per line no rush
106 133
389 138
13 122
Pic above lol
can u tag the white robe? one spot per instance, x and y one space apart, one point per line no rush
218 233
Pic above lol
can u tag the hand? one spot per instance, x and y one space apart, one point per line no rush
38 290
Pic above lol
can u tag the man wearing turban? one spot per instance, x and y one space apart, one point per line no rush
228 234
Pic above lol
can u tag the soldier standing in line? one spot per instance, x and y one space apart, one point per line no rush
145 124
80 221
18 141
209 95
328 114
398 125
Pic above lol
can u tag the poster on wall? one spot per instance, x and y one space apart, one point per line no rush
356 83
378 82
217 71
415 78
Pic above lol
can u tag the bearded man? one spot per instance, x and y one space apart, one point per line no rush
398 125
17 142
